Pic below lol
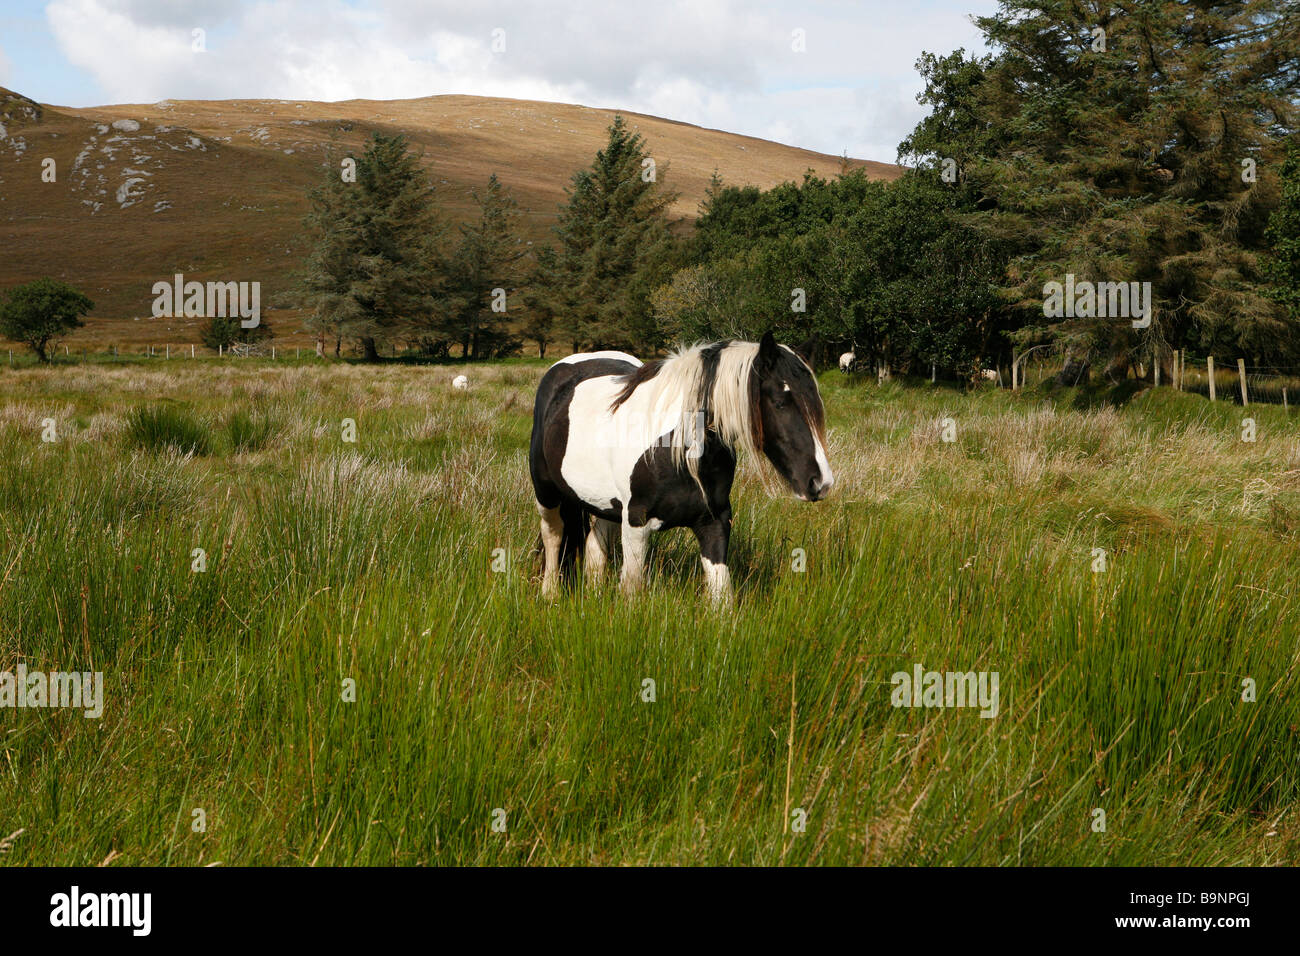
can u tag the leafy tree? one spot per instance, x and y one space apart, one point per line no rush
374 268
956 128
485 259
38 313
1126 143
889 269
1283 266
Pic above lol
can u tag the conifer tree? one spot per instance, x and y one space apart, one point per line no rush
485 260
615 247
373 272
540 300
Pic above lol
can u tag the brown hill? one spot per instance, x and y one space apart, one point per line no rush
217 189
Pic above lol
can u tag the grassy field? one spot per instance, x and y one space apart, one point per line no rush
374 564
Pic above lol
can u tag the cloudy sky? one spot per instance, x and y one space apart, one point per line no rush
728 64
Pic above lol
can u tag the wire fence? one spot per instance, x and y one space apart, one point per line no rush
166 352
1265 384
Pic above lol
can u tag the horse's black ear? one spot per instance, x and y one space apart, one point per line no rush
767 351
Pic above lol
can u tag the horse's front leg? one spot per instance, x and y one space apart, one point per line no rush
714 536
636 541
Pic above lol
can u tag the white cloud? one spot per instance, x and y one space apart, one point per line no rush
719 63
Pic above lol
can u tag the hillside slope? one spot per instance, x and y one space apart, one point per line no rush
217 189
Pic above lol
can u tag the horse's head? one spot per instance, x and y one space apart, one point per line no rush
791 420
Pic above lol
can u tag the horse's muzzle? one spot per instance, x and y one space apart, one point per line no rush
816 489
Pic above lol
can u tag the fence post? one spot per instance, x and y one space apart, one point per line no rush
169 350
191 350
1209 370
1241 374
1284 404
272 351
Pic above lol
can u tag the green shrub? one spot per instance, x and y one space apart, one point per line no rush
158 428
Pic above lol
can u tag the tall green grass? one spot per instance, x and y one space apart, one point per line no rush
159 428
249 432
375 562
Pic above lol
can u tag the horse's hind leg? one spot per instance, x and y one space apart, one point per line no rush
552 535
600 540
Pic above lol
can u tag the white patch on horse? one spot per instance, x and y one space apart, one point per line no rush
608 354
603 448
826 479
717 579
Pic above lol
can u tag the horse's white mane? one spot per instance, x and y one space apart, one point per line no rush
727 406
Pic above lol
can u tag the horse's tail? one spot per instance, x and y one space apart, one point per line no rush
576 522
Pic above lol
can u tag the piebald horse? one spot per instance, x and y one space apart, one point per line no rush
618 445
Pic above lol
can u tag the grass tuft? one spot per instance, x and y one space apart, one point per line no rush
250 431
162 428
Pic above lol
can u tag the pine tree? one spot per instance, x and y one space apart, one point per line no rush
485 260
373 272
539 299
615 247
329 270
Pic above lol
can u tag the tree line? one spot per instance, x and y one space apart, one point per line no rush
1151 144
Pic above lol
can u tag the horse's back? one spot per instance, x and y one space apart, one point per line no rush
560 379
580 357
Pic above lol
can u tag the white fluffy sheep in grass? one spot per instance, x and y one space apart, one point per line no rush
460 382
846 362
